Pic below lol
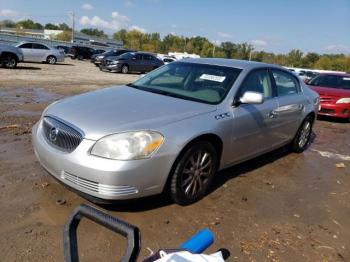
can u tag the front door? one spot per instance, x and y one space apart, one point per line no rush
254 124
27 51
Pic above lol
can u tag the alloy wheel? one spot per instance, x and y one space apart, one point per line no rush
305 134
196 173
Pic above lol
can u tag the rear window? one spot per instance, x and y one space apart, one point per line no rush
332 81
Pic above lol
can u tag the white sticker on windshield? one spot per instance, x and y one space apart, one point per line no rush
213 78
346 78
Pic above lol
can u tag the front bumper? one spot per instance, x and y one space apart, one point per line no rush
99 177
111 67
335 110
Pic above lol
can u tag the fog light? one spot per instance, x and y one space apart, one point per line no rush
345 111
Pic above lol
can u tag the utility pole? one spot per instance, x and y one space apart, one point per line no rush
73 25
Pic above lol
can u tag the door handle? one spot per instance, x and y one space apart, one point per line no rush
272 114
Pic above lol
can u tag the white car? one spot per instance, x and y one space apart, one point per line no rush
37 52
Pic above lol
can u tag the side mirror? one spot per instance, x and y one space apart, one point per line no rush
252 98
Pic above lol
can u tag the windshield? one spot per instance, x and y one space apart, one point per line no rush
333 81
108 53
197 82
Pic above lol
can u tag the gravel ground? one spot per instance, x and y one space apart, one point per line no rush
278 207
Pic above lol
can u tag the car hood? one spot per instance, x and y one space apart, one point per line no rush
120 109
328 91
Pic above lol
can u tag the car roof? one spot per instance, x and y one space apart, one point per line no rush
234 63
32 42
336 74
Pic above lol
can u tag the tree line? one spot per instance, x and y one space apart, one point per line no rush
152 42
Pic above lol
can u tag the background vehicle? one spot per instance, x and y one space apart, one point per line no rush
310 75
37 52
64 48
131 62
97 58
10 56
183 117
81 52
334 91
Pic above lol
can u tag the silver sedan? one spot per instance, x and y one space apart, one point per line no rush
37 52
174 128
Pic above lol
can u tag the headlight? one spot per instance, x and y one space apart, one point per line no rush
100 57
128 146
114 62
345 100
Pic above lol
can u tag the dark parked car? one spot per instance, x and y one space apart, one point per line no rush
97 58
64 48
131 62
81 52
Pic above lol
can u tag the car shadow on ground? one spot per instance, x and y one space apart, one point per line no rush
63 64
333 119
158 201
26 68
243 168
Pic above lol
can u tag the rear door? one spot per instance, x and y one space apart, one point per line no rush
291 103
27 51
40 52
149 62
137 63
254 126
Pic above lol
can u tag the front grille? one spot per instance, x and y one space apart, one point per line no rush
327 111
60 135
96 187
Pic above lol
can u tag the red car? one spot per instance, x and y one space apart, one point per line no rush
334 91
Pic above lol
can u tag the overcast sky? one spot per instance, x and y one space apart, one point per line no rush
272 25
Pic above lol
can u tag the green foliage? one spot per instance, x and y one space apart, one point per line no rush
29 24
50 26
93 32
7 23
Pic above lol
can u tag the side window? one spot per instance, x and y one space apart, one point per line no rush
286 83
138 57
27 45
38 46
257 81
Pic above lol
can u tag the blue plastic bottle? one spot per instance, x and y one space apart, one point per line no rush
199 242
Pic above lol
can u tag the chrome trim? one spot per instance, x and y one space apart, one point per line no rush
107 190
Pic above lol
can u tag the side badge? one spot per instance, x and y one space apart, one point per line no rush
221 116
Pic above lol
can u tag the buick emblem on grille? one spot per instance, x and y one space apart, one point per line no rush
53 134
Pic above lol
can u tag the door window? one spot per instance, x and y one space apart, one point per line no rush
138 57
286 84
257 81
39 46
27 45
148 57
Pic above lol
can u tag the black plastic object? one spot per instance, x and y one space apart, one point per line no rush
131 232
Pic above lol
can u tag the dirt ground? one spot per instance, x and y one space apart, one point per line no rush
279 207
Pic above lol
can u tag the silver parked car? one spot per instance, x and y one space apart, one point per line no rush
37 52
174 128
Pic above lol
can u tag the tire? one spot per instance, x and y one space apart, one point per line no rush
9 61
80 57
190 179
302 137
125 69
51 60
